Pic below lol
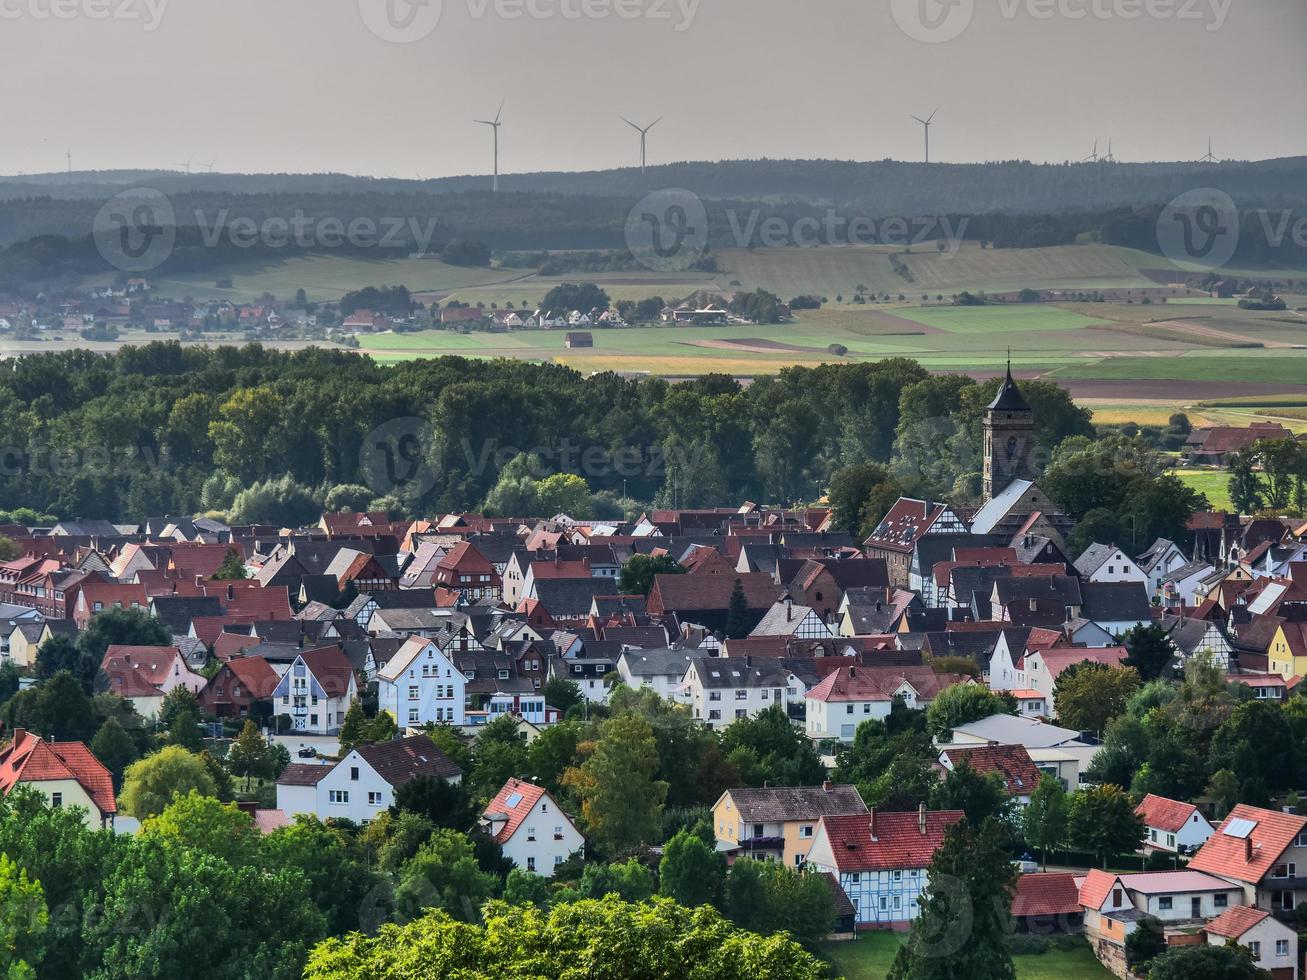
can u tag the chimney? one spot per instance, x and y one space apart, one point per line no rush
1248 849
921 819
789 608
231 592
826 786
872 814
853 672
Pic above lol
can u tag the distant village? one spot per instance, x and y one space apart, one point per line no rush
461 621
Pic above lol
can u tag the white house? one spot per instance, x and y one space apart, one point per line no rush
362 786
316 691
725 689
1180 586
662 671
852 695
880 860
420 684
1273 945
1108 563
1172 825
1180 896
1159 561
531 828
1044 667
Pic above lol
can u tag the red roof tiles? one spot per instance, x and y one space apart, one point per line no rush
1233 923
1164 814
898 842
1248 858
30 759
1046 894
524 796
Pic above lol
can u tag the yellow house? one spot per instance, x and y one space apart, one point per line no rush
778 823
1287 654
65 773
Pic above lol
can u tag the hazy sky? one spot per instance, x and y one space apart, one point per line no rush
308 85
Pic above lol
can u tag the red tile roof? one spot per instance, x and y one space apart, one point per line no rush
1096 887
905 523
154 664
30 759
856 683
1046 894
1164 814
1230 857
527 796
899 842
1233 923
1012 762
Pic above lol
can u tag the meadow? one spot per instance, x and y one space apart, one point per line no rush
871 956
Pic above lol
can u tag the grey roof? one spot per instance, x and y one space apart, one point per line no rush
989 516
1094 558
778 804
1155 553
724 672
1113 602
1009 397
176 612
571 597
1010 730
407 758
1203 568
658 663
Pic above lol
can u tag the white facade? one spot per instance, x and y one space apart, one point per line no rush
301 695
1274 946
545 839
1118 568
420 685
1194 834
723 690
840 719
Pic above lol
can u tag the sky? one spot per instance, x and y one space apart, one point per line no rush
384 88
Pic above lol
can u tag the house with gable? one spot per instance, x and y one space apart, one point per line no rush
779 823
1272 945
1159 561
896 536
1261 852
1011 762
316 691
145 675
787 619
362 786
1172 826
420 684
1108 563
531 828
880 860
65 773
854 694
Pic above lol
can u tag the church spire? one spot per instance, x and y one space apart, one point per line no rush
1009 397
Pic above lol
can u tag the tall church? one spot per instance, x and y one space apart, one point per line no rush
1009 439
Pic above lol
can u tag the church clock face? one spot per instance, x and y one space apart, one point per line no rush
1012 447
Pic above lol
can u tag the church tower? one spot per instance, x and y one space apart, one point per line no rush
1009 439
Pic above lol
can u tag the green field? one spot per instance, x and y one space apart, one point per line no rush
990 320
1215 484
871 956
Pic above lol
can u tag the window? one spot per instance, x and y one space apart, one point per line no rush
848 709
413 692
714 715
1220 900
354 774
1164 903
56 799
1256 949
530 833
714 695
1116 897
531 863
741 695
337 796
855 877
374 798
1282 947
898 875
1289 870
558 832
805 831
412 716
741 713
757 830
884 903
898 902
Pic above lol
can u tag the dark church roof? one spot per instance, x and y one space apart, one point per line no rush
1009 397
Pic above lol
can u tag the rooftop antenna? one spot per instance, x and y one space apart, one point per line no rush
926 123
1093 157
1211 157
495 126
644 133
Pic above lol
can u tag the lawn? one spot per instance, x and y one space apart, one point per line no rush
999 319
870 958
1287 367
1214 483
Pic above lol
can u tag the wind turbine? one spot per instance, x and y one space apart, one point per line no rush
926 123
1110 157
186 166
644 133
495 126
70 159
1211 157
208 167
1093 157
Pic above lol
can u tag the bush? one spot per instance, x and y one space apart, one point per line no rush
839 350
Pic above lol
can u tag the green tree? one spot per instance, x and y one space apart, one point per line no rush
352 728
121 627
629 880
526 888
248 755
766 897
611 937
24 920
564 493
114 748
1206 963
1145 943
201 823
637 577
232 568
59 653
185 731
562 694
965 910
621 798
444 803
1245 488
850 490
553 750
335 866
1150 651
153 782
444 874
690 871
770 748
499 755
280 502
57 708
979 796
568 297
1088 695
963 703
1046 819
1102 821
737 613
1258 744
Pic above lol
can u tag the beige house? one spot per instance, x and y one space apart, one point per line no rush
778 823
65 773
